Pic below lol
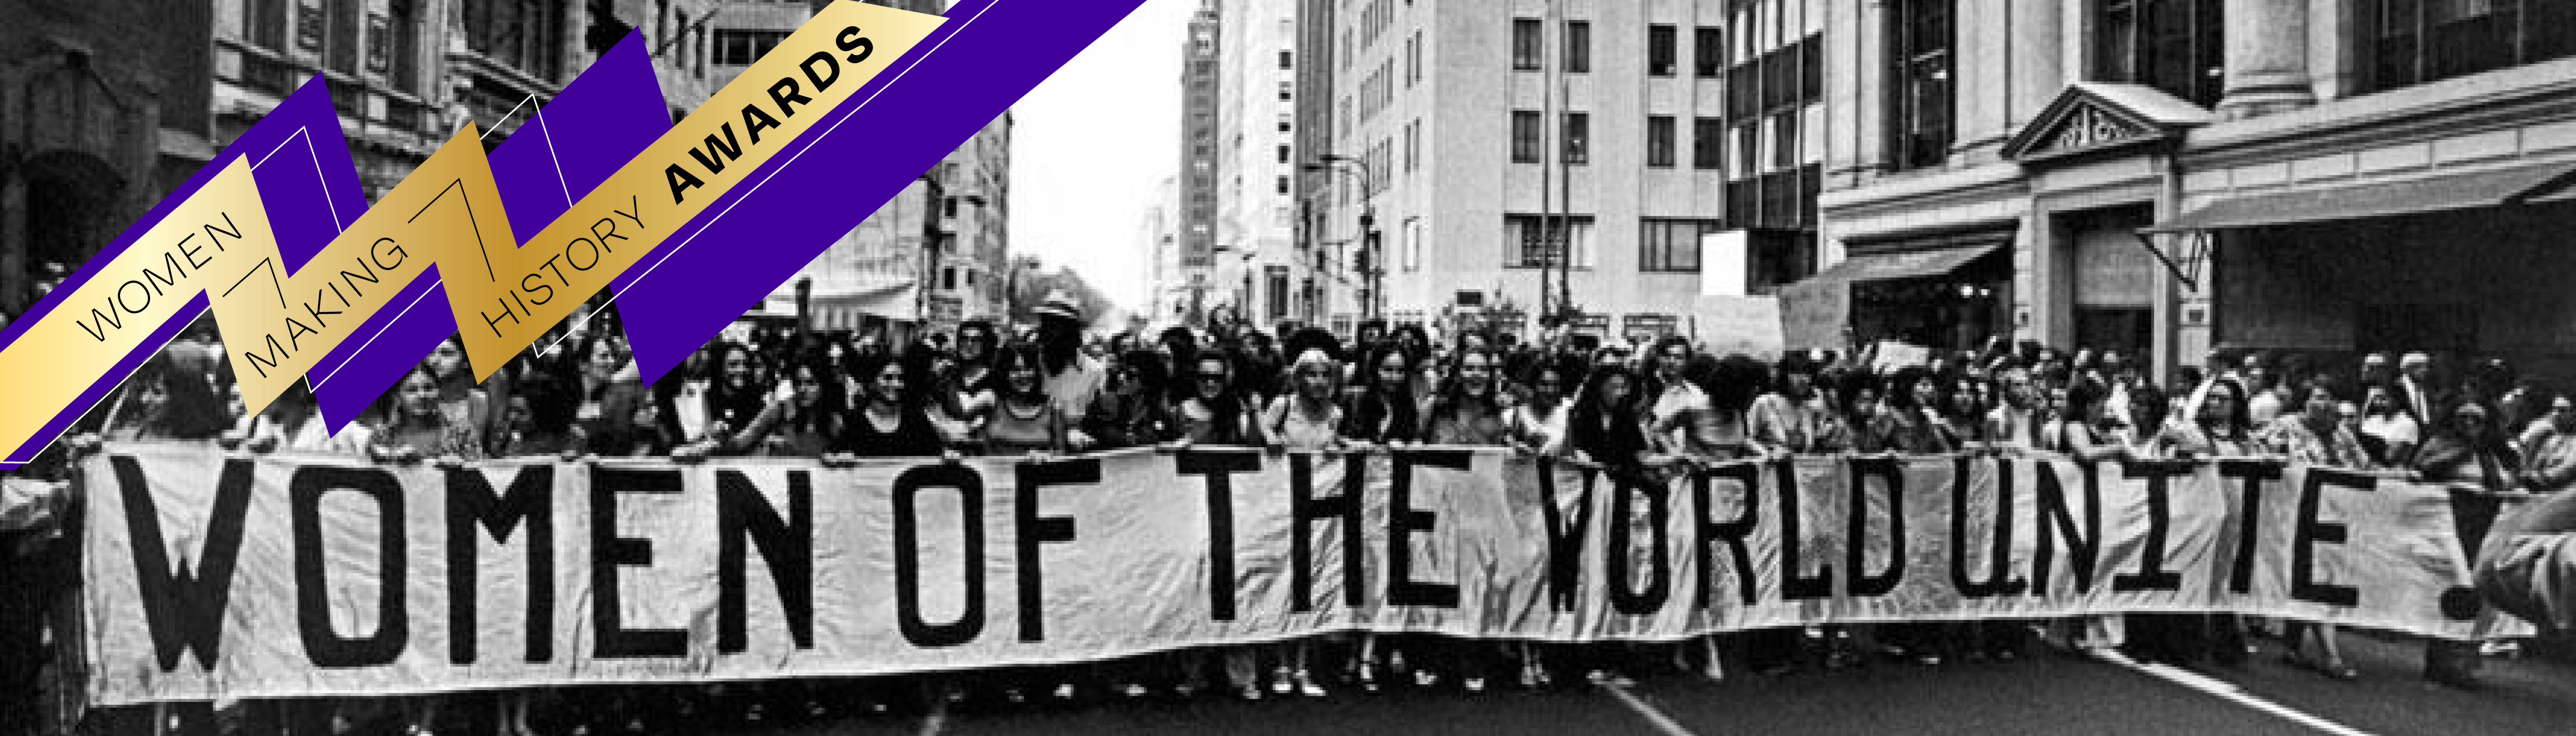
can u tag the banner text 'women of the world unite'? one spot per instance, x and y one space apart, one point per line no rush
298 577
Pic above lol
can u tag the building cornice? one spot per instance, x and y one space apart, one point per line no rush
2491 101
1990 181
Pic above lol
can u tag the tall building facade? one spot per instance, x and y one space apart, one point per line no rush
934 255
1481 140
2169 177
1257 160
1199 169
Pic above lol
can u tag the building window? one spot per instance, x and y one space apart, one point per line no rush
526 34
2416 41
1526 45
741 48
1532 241
1775 258
1283 154
1708 143
264 23
1525 136
1669 246
1659 141
1920 115
1578 47
1277 299
1661 56
1415 49
1708 52
1578 139
397 42
346 25
1283 185
948 278
2171 45
1287 91
1413 146
1784 140
1287 60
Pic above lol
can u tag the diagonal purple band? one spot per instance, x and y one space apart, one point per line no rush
612 112
988 55
301 163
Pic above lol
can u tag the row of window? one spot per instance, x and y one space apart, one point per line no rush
1664 245
1708 139
1663 51
2178 46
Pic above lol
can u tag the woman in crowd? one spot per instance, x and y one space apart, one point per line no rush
422 426
1469 409
1024 421
1308 418
734 399
1605 428
2467 449
805 423
2315 436
967 389
1538 421
1215 410
1134 408
617 415
1387 411
887 415
2218 427
1909 424
2388 432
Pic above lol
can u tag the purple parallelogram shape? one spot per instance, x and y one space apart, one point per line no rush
969 71
307 183
612 112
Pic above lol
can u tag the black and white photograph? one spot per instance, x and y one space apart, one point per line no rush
1495 367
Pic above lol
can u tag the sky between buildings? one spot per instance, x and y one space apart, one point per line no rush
1089 146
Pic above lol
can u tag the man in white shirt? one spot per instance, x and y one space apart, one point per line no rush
2415 383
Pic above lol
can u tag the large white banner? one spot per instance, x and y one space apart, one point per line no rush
213 575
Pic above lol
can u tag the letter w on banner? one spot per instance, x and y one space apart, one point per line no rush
307 577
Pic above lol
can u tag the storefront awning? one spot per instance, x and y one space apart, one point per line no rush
2471 190
1915 264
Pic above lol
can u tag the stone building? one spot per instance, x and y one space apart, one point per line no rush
2167 177
103 109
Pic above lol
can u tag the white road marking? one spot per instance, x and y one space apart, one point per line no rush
2225 690
1662 723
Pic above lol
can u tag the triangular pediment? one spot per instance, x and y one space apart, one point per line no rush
2091 117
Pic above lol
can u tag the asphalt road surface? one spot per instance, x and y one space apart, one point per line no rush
2052 693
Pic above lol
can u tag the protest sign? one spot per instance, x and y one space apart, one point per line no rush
214 575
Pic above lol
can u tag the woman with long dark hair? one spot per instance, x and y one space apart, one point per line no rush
1606 428
1538 421
1387 411
616 412
1469 409
887 414
733 401
1024 420
803 424
1133 408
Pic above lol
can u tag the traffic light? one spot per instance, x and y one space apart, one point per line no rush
605 29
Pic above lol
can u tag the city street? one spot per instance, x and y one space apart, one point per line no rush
2052 694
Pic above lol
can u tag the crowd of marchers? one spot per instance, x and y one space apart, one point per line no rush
984 389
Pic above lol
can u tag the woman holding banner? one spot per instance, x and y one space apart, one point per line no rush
2315 436
2219 426
1604 428
2467 449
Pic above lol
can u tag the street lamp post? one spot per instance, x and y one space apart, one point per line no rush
1372 258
